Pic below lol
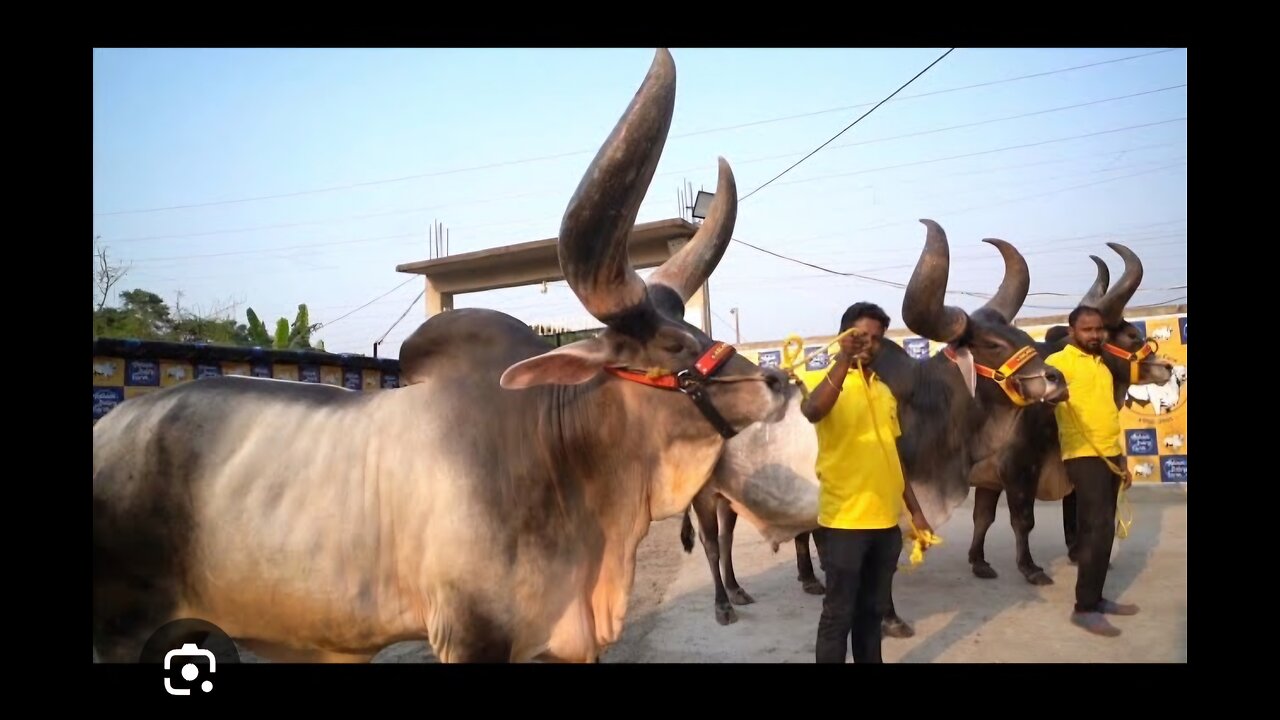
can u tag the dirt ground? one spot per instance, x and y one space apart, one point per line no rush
957 617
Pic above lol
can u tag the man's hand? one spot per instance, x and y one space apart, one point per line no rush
922 525
1128 479
853 345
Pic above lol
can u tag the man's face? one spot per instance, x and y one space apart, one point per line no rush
1088 333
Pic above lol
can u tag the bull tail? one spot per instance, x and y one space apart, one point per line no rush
686 532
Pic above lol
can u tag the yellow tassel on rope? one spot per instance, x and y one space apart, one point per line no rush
794 347
791 351
920 542
1124 514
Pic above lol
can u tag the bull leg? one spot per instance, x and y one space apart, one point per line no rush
136 582
121 639
804 562
705 508
728 519
984 514
1022 516
471 636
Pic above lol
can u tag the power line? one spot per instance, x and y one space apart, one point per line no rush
809 179
988 152
902 285
975 207
512 196
926 94
348 314
855 122
378 342
558 156
275 248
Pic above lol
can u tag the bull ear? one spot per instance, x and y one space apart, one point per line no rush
569 365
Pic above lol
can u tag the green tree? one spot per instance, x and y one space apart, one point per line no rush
258 334
144 315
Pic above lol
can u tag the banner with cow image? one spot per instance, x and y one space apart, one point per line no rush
1153 418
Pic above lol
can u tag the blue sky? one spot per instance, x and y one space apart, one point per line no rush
360 151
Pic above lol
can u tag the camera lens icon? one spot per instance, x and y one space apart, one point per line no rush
190 651
189 670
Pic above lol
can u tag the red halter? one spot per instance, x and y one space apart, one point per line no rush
691 382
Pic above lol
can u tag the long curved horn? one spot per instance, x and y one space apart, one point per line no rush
1113 302
1099 287
923 310
689 268
1017 281
602 211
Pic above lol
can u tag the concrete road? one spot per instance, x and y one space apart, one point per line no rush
957 617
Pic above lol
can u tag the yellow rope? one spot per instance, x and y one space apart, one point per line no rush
920 540
794 346
1124 513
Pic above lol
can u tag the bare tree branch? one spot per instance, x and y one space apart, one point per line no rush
105 275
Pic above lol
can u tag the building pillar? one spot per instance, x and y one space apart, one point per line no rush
437 302
697 311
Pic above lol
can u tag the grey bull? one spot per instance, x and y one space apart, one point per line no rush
492 507
952 423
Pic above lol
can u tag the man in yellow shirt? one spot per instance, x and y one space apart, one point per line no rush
862 492
1090 436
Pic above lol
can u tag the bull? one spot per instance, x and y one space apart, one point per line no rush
492 507
1128 355
954 427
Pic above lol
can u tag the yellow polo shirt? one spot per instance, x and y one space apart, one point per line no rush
858 467
1092 397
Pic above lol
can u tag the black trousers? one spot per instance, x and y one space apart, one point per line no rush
859 570
1069 524
1096 488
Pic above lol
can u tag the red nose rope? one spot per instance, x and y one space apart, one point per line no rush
691 382
1134 358
1004 375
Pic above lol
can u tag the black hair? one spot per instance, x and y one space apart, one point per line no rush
860 310
1082 310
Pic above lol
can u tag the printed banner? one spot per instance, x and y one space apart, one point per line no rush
117 380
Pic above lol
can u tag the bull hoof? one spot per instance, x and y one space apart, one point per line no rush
1038 577
896 627
738 596
726 615
984 571
814 587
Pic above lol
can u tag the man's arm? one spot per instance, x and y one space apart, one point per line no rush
913 506
824 396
